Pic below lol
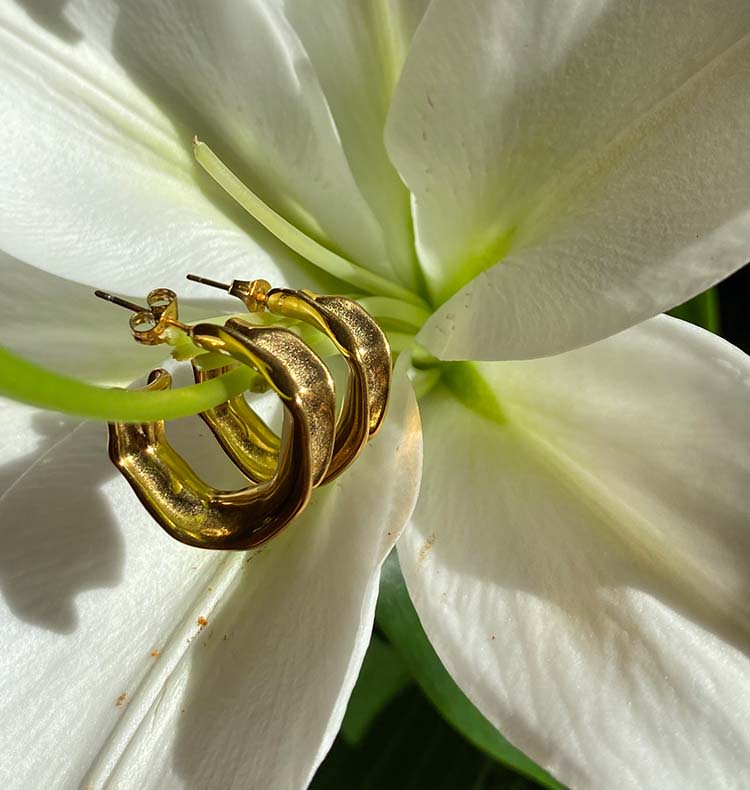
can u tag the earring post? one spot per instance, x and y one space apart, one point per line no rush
205 281
121 302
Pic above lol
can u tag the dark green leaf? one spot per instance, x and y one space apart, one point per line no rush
409 747
399 622
382 677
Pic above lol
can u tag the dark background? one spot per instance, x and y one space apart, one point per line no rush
734 298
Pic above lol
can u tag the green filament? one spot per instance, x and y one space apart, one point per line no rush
29 383
293 237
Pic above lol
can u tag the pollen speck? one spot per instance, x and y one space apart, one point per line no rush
428 544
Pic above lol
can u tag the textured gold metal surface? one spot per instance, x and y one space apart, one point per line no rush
365 349
373 353
309 377
314 447
199 515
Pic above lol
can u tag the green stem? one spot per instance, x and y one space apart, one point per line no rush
292 236
24 381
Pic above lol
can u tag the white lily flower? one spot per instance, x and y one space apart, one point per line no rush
579 552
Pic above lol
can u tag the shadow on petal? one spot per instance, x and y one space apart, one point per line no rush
566 542
167 50
280 653
58 534
50 14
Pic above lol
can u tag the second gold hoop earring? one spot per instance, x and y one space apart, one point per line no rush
358 339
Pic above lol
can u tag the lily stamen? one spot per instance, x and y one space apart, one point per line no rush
294 238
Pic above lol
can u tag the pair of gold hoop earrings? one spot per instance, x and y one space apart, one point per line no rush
314 447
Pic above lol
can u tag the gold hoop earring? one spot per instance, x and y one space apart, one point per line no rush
245 438
358 339
186 507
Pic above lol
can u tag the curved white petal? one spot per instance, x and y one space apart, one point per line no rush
60 325
582 562
252 697
595 148
99 108
27 433
239 72
358 51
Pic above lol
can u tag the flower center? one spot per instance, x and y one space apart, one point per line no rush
399 311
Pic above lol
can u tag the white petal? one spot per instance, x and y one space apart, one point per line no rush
582 566
253 698
60 325
99 183
241 73
358 50
27 433
597 149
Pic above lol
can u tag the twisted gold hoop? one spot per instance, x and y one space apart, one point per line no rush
186 507
358 339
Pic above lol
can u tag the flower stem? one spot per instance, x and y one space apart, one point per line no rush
293 237
24 381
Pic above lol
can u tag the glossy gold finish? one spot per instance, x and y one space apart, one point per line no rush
359 340
197 514
243 435
314 447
